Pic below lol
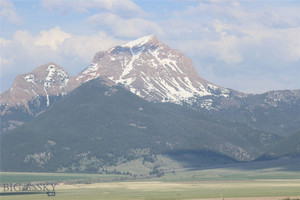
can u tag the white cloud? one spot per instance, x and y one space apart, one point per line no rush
8 11
26 51
4 42
3 61
22 54
123 7
119 18
227 31
246 48
274 18
226 48
53 38
120 27
73 52
84 47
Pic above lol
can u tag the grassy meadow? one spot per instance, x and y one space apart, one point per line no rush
240 181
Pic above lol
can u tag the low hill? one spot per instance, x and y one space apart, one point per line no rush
290 147
101 125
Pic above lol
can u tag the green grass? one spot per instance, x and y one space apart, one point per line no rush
20 177
161 190
209 183
229 175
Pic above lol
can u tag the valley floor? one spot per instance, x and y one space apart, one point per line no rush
157 190
246 182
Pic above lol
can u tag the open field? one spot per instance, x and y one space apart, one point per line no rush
235 183
277 189
23 177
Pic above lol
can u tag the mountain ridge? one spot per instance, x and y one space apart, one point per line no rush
155 72
139 103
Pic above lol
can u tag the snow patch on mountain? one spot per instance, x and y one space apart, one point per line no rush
93 68
30 78
89 73
47 97
139 42
129 66
166 61
64 78
49 78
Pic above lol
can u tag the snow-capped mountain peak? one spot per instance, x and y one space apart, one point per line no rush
46 80
139 42
152 70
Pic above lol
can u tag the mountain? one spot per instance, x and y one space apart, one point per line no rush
146 66
102 126
151 70
32 93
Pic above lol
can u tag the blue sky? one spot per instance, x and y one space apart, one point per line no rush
250 46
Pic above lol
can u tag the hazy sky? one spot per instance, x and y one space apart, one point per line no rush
249 46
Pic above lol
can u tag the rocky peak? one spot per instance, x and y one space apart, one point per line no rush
152 70
46 80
